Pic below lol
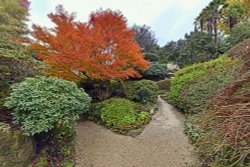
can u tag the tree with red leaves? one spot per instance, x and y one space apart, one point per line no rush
101 49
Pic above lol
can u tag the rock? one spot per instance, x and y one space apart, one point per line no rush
173 67
16 150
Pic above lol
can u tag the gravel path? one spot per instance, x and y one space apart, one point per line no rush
161 144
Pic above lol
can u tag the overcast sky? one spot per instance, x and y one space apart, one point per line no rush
169 19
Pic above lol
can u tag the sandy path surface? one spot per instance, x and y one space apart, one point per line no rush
161 144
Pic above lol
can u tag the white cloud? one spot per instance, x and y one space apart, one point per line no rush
136 11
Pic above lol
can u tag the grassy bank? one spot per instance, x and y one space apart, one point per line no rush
216 96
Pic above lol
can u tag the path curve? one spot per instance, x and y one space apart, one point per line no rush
161 144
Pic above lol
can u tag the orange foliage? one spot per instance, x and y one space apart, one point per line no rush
101 49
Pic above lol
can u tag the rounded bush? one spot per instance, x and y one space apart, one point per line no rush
41 104
118 113
121 114
156 71
142 91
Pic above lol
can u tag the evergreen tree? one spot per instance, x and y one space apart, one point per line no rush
13 14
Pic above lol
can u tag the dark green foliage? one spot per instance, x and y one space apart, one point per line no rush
57 146
12 71
239 33
169 52
116 87
156 71
144 94
104 89
142 91
145 37
195 48
151 57
121 114
41 104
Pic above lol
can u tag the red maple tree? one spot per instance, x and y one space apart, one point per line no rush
103 48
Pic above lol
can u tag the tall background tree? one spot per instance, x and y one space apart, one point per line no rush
13 14
194 48
219 26
234 12
13 67
145 37
13 28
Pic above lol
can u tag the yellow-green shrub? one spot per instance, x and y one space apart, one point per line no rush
121 114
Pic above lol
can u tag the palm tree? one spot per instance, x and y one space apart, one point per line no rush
209 17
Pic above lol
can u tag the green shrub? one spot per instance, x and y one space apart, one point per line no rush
121 114
164 84
151 57
41 104
12 70
116 87
142 91
144 117
193 86
118 113
156 71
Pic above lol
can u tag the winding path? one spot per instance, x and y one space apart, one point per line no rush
161 144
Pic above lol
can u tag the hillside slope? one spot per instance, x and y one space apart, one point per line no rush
216 95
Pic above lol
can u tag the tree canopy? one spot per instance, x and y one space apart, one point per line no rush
13 13
196 47
102 48
145 37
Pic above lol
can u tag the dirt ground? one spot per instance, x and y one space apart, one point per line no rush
161 144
